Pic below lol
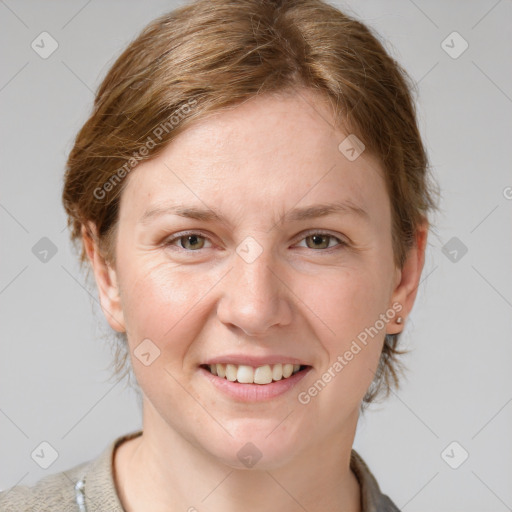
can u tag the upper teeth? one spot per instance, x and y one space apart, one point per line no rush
249 375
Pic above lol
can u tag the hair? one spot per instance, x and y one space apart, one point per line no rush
211 55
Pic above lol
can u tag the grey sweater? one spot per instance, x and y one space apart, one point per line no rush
62 492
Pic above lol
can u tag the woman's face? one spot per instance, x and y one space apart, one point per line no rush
252 238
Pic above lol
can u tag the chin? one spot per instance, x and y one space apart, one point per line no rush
252 448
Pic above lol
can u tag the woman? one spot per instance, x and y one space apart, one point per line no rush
251 193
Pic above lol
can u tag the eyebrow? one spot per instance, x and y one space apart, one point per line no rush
294 215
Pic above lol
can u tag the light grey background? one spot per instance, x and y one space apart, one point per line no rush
54 364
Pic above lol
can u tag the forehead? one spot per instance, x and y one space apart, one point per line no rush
270 152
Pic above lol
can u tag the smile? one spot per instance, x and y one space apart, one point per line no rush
245 374
247 388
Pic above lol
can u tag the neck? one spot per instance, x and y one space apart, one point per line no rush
161 470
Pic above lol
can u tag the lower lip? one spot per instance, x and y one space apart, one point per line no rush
255 392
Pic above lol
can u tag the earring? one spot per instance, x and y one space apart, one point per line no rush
399 320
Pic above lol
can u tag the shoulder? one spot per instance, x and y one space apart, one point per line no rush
64 491
372 498
51 493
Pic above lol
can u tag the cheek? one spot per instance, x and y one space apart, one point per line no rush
346 300
347 305
166 304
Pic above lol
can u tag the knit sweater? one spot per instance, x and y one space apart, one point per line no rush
61 492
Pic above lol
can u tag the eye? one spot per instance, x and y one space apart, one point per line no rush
322 241
194 241
188 241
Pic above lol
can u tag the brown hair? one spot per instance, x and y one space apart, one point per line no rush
210 55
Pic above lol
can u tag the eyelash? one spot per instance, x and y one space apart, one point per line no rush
170 241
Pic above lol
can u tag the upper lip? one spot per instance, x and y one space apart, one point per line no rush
254 361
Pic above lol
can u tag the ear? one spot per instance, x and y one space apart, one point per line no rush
408 278
106 280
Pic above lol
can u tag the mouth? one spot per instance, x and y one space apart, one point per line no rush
261 375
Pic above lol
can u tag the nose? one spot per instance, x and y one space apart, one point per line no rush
254 296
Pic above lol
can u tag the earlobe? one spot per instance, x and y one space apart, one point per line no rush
106 280
409 278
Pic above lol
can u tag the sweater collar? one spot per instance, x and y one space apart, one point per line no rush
100 489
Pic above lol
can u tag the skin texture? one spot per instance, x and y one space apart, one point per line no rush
252 165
